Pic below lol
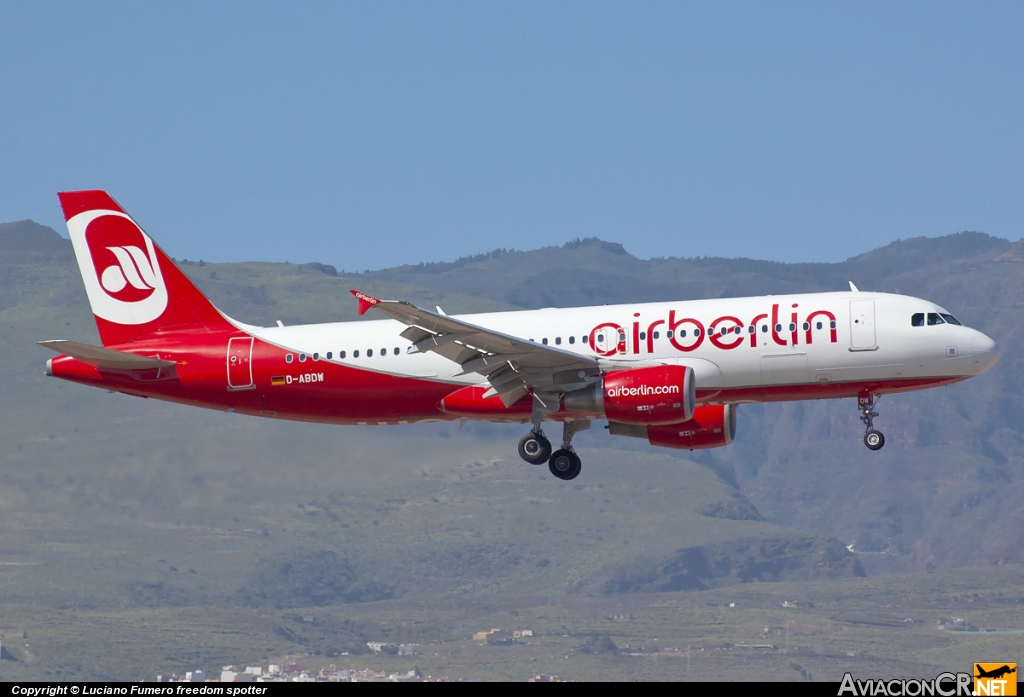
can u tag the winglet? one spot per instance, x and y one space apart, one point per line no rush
365 301
854 288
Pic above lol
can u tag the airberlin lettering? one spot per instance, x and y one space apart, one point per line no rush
688 333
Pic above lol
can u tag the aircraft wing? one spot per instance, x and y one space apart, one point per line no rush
513 366
104 357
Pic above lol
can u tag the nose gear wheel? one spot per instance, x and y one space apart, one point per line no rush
873 439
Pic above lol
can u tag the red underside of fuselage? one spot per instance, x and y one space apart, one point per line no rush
326 392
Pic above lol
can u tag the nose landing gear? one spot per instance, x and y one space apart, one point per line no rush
873 439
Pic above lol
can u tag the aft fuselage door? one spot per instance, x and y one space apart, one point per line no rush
862 324
240 363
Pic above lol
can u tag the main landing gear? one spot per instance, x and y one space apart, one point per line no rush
872 438
564 463
535 448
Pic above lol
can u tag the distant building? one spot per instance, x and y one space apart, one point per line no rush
407 649
228 676
378 646
500 638
520 633
483 636
254 670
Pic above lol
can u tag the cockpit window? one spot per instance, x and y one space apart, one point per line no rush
917 319
934 318
951 319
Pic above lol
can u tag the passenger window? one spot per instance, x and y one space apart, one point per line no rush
737 330
807 325
341 354
951 319
558 341
383 352
369 353
329 355
792 327
751 329
355 354
657 335
696 332
818 325
917 319
316 356
396 350
682 333
544 341
302 358
933 319
643 335
572 339
288 358
778 327
764 328
585 339
600 338
668 334
832 324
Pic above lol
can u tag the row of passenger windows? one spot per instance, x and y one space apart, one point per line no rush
341 354
918 319
572 340
600 339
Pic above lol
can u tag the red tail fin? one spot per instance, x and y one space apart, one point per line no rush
135 290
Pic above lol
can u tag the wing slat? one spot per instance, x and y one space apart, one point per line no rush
484 351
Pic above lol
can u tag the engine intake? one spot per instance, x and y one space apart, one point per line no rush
712 426
664 394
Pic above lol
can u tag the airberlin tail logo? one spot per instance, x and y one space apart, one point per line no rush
119 267
133 269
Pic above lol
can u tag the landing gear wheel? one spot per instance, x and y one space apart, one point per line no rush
565 464
535 448
874 439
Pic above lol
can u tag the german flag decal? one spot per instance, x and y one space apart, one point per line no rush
277 380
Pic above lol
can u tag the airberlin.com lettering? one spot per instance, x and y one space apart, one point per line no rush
726 332
643 390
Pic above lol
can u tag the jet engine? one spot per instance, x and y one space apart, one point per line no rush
712 426
663 394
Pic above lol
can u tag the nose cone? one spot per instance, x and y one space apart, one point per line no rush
985 353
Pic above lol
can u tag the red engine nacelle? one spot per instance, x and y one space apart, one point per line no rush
662 394
711 427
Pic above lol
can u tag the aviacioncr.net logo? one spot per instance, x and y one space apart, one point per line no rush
943 685
119 267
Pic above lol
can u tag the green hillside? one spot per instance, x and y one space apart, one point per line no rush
126 519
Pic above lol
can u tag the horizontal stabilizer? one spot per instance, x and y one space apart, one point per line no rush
104 357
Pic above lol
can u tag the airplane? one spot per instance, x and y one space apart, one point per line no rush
670 372
994 673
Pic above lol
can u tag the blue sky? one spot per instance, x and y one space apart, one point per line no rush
375 134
